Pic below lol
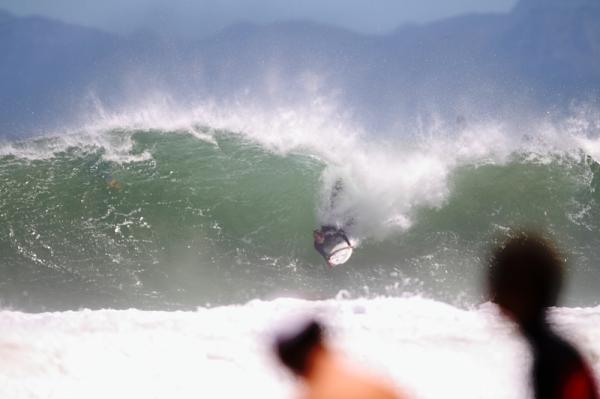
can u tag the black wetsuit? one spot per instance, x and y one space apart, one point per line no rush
330 234
559 371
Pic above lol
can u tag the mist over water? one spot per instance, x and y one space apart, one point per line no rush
163 209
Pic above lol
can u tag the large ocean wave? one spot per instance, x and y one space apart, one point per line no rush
162 210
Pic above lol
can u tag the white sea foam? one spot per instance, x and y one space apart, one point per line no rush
430 349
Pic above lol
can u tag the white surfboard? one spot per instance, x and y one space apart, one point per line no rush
340 253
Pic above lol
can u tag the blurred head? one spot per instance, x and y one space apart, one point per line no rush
295 350
525 277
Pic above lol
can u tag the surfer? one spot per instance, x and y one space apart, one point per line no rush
325 238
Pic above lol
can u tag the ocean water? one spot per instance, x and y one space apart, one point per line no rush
150 253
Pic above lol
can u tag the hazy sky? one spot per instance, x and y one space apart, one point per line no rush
200 17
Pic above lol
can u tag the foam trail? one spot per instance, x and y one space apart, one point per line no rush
431 349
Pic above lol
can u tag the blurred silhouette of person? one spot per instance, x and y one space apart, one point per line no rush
525 278
305 353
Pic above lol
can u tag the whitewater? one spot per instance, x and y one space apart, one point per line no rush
154 252
428 349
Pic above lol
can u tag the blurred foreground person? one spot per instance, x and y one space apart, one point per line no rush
326 375
525 278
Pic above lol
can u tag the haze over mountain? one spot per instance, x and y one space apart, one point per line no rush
200 18
542 55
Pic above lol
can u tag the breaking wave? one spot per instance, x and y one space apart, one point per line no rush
174 211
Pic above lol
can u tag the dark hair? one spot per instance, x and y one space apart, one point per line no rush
294 350
527 269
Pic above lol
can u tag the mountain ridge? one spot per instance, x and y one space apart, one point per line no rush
533 57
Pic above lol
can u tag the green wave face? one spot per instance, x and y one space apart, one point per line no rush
187 222
187 226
